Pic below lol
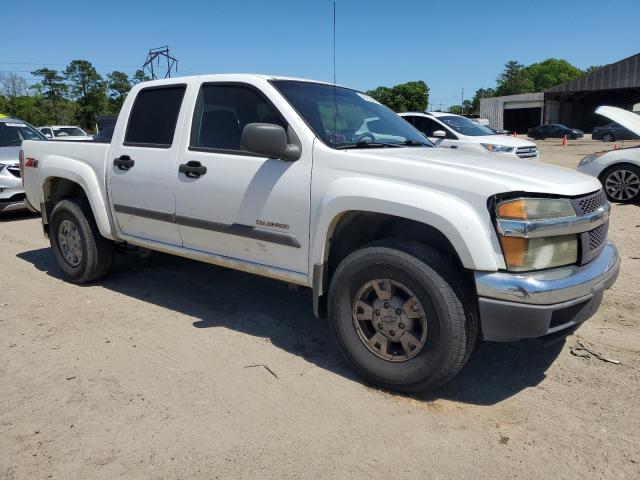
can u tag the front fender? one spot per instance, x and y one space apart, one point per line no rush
93 186
469 228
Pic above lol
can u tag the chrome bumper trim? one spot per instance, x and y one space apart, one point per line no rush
11 206
549 228
552 286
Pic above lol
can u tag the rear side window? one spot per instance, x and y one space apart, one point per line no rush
222 111
153 118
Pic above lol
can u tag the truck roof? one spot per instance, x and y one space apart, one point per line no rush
229 77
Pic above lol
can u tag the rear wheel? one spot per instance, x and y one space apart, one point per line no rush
401 315
622 183
607 137
81 252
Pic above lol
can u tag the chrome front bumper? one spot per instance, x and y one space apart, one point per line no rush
519 305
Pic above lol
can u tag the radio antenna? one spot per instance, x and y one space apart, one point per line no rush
334 43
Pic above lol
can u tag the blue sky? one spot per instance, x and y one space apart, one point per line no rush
449 44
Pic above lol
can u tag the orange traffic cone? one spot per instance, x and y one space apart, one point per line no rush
565 142
515 134
615 146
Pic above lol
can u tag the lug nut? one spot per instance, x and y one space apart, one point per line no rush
377 312
401 326
392 333
386 304
398 311
380 326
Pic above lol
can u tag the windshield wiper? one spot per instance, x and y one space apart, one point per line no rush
366 144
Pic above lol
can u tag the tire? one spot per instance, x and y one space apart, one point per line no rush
621 183
90 255
446 300
608 137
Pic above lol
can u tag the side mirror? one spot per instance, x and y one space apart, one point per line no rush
440 134
269 140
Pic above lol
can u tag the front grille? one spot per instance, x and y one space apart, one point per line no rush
527 152
597 236
591 242
14 170
590 203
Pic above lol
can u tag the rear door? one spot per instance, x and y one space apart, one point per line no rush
243 206
142 165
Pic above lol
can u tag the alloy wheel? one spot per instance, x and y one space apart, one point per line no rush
622 185
390 320
70 242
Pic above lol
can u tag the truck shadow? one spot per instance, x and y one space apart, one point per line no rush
261 307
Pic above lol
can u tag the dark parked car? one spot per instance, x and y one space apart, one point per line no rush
613 132
554 130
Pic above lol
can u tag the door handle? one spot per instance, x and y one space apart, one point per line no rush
454 146
192 169
123 162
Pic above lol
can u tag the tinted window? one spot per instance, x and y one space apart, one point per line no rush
12 133
153 119
428 126
222 112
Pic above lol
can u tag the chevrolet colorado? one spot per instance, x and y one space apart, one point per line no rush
412 252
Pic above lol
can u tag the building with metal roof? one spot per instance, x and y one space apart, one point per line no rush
572 103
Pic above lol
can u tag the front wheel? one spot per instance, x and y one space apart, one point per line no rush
401 315
622 183
81 252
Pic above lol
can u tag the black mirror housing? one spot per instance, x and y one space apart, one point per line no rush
269 140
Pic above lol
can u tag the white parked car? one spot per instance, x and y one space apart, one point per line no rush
64 132
461 133
12 132
617 170
412 252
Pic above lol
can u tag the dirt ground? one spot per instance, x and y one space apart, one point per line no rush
173 369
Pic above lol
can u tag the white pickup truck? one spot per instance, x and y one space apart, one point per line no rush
412 252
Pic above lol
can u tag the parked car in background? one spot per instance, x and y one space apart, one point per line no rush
613 132
618 170
461 133
12 132
411 251
554 130
64 132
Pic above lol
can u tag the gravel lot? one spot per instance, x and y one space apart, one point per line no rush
176 369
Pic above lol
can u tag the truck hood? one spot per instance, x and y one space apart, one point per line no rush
483 175
9 154
505 140
629 120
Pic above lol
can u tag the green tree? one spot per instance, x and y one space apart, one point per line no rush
118 85
87 88
479 95
593 68
139 77
410 96
12 88
514 79
457 109
53 90
551 72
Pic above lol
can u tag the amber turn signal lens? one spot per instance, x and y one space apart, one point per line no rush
514 249
515 209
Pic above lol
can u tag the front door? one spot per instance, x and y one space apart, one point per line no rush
142 166
240 205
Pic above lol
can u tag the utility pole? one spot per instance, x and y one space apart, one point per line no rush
156 54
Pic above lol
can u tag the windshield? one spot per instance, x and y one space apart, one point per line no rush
68 132
344 118
13 133
465 126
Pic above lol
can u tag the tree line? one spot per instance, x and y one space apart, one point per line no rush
75 95
517 78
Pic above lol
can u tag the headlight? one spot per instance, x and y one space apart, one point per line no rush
590 158
497 148
521 253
